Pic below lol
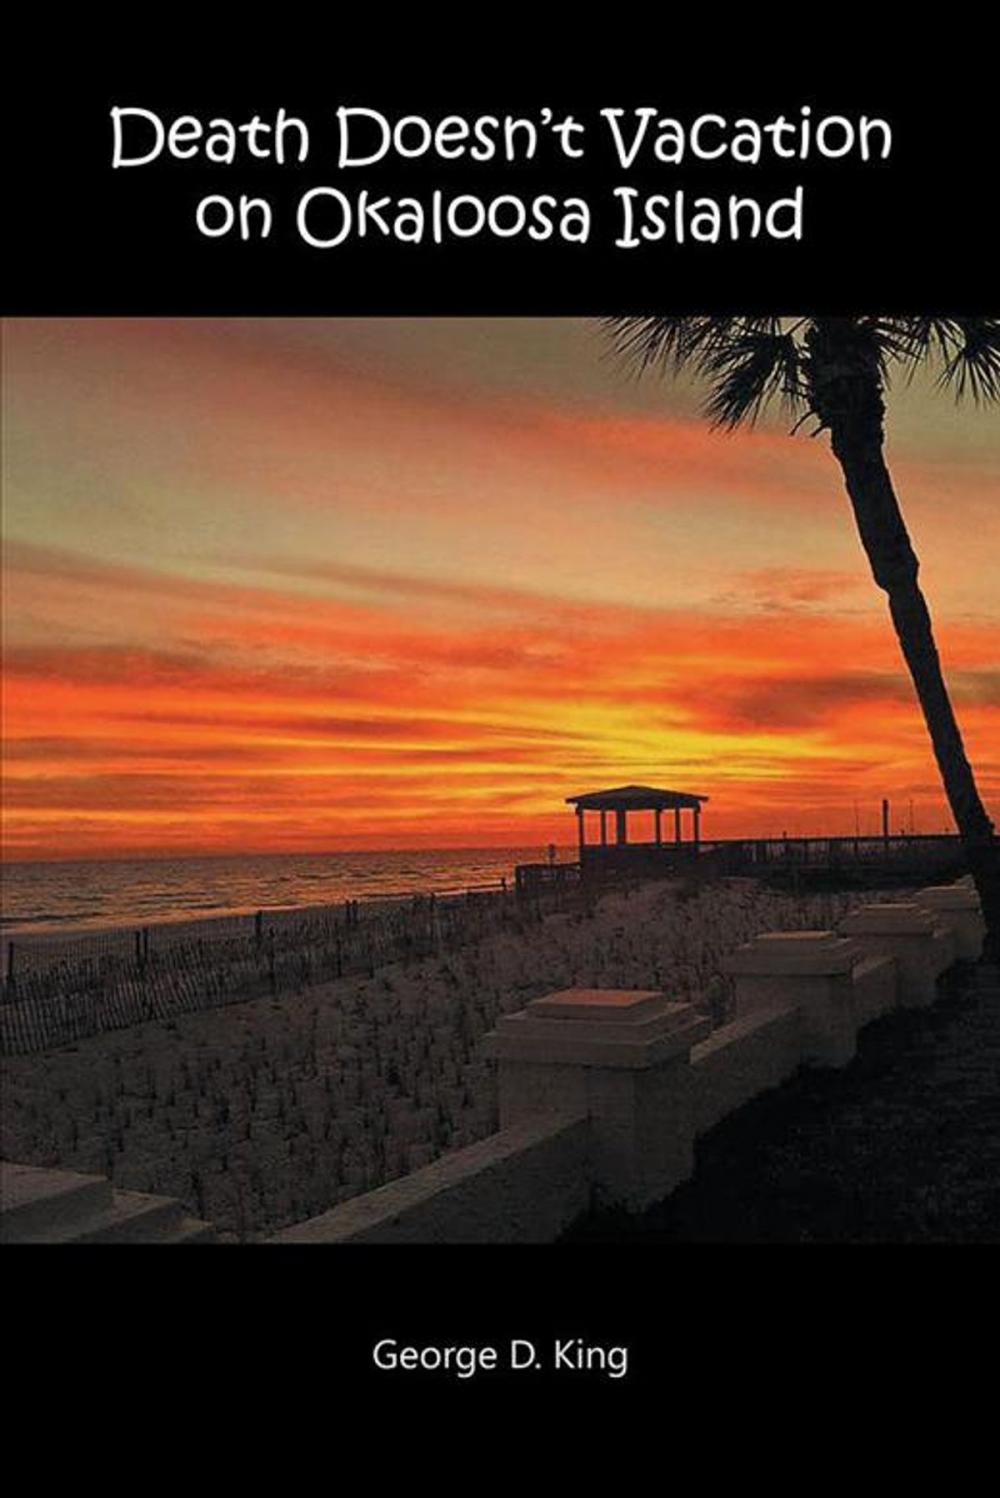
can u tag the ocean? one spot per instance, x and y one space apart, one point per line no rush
95 894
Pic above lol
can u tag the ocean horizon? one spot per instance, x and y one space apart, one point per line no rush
94 894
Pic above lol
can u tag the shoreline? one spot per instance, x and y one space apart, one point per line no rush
250 891
392 878
174 930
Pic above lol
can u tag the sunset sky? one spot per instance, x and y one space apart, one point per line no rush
307 585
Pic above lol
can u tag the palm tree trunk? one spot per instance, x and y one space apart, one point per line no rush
847 391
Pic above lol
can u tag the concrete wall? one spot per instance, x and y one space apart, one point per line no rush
583 1071
603 1093
522 1185
528 1182
741 1059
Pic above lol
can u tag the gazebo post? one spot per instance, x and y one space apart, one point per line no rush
600 852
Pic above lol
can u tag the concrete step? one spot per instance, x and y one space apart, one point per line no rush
60 1206
131 1217
36 1203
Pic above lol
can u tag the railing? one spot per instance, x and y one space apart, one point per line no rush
532 878
905 853
903 848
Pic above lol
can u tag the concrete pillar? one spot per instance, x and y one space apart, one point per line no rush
580 831
604 829
957 906
620 1058
677 824
923 949
621 827
811 971
658 813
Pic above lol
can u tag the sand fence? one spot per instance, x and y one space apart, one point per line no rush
61 989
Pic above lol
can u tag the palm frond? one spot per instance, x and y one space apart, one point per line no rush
973 367
750 361
747 361
748 372
966 348
655 340
892 341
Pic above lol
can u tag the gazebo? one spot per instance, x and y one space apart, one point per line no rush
620 801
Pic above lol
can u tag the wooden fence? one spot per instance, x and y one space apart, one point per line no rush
60 990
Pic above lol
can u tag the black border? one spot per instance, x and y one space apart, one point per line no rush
718 1335
915 234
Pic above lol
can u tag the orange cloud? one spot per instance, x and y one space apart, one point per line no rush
428 712
305 601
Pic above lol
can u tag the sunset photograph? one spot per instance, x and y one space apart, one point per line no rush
316 587
409 722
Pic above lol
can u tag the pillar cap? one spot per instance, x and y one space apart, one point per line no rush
896 919
948 897
629 1028
811 954
620 1005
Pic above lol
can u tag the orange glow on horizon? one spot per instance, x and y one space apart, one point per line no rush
261 599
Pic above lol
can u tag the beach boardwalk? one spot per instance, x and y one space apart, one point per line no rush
616 848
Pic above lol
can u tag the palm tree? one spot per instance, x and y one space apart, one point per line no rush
836 370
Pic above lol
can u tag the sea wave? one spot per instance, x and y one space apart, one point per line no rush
98 894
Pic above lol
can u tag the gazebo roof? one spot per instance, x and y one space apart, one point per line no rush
635 798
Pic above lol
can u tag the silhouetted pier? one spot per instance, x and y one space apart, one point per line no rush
860 860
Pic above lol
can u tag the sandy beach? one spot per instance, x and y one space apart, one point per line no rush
263 1113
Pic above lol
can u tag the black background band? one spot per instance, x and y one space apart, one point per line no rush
916 233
